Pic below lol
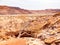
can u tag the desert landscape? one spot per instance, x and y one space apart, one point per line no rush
29 27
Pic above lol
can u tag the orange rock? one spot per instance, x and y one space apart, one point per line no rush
13 42
50 40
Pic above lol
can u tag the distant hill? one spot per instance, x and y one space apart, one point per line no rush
12 10
17 10
46 11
